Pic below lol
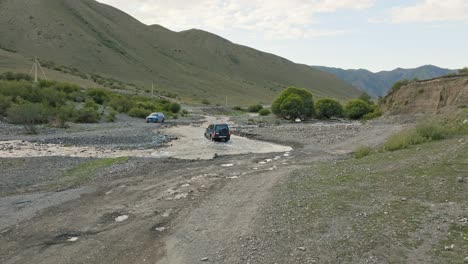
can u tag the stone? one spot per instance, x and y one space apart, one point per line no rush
302 248
121 218
460 179
466 260
204 259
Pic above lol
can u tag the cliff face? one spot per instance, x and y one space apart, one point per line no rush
428 97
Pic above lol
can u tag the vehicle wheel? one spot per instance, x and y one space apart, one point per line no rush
162 121
147 122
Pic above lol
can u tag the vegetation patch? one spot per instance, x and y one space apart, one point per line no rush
86 171
362 151
28 103
426 132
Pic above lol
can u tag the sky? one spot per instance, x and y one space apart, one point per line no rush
351 34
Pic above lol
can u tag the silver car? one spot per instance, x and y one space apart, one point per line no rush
156 118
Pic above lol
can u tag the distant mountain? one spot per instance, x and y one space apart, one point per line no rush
378 84
99 39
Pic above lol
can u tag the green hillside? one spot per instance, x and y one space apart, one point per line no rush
95 38
379 83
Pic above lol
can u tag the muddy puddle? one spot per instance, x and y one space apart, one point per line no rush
191 145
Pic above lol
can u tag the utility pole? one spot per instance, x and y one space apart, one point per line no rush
37 65
152 89
226 101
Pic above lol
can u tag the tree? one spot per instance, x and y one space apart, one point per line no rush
264 112
27 114
366 98
294 103
463 71
292 107
255 108
357 108
326 108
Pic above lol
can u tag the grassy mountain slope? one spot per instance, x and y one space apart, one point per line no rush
378 84
96 38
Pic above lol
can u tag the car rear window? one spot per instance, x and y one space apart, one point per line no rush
221 127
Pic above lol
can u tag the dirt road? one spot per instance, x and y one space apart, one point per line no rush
156 210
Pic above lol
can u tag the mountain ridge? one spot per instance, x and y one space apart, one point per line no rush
379 83
96 38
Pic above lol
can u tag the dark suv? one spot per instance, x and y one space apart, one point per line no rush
218 132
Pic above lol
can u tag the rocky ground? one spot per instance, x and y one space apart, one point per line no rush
311 204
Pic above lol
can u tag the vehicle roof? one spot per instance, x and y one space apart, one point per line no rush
220 124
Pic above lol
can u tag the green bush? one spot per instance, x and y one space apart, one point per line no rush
463 71
111 115
27 114
206 102
366 98
357 108
431 131
176 116
237 108
403 140
89 103
326 108
255 108
10 76
121 103
396 86
376 112
138 112
88 115
100 96
264 112
294 103
5 103
173 107
292 107
362 151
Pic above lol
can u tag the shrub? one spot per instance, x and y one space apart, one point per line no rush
255 108
176 116
376 112
88 115
431 131
396 86
463 71
264 112
27 114
10 76
362 151
64 114
98 95
121 103
5 103
89 103
293 103
357 108
173 107
403 140
205 102
366 98
237 108
138 112
111 115
326 108
185 112
292 107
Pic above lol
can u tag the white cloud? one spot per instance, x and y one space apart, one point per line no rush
272 18
430 11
